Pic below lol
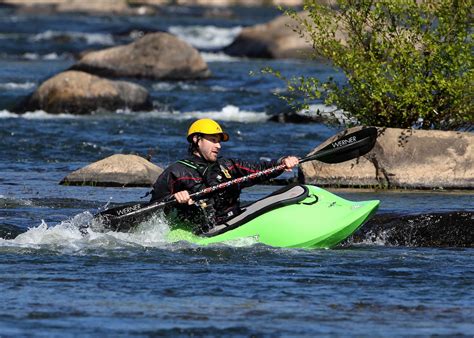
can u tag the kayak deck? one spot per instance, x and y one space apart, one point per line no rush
321 220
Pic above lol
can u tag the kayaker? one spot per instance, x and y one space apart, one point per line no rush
203 169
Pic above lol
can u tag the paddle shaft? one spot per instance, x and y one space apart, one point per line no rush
344 148
138 209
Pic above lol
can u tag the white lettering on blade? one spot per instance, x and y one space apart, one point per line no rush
344 142
129 209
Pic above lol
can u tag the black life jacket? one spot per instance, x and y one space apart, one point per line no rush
220 205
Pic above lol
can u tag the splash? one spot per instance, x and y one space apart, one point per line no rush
206 37
228 113
82 233
17 86
38 115
219 57
49 56
88 38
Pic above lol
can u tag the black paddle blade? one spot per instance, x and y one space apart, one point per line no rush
121 218
346 147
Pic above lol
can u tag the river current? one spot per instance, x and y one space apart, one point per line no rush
56 282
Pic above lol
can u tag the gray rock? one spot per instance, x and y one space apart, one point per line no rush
275 39
403 159
103 7
81 93
448 229
157 56
116 170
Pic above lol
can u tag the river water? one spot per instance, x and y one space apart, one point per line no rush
56 282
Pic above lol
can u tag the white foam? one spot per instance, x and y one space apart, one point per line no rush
36 56
5 114
6 201
328 112
38 115
206 37
218 57
67 236
172 86
228 113
164 86
89 38
15 86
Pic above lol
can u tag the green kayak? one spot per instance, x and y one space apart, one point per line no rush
297 216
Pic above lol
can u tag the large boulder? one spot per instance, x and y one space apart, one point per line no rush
160 56
116 170
275 39
82 93
403 159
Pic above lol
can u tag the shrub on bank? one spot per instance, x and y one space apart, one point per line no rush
407 64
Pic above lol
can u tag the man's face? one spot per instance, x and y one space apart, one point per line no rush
210 145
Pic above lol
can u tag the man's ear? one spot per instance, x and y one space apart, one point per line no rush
195 139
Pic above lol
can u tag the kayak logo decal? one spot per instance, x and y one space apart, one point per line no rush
344 142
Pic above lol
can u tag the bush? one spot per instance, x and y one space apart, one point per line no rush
407 63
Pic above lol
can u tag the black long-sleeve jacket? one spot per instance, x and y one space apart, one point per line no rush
195 173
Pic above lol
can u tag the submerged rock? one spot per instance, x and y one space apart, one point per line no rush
9 231
403 159
450 229
81 93
116 170
157 56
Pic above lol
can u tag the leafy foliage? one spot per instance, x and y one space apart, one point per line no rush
407 63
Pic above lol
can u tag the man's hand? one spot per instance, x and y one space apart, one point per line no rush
183 197
290 162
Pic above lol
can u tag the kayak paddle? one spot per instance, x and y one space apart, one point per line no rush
347 146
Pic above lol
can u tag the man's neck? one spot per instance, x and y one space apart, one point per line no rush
200 158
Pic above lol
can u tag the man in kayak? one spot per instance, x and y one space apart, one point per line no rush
203 169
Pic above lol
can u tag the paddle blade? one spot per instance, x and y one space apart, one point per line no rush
126 217
121 218
349 145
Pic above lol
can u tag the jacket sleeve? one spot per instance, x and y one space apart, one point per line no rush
174 179
239 168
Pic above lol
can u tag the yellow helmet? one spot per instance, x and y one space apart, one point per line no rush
207 127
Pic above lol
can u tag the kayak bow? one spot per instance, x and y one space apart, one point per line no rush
318 219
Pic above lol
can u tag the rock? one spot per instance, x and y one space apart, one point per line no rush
116 170
316 113
448 229
10 231
275 39
81 93
403 159
227 3
120 7
158 56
